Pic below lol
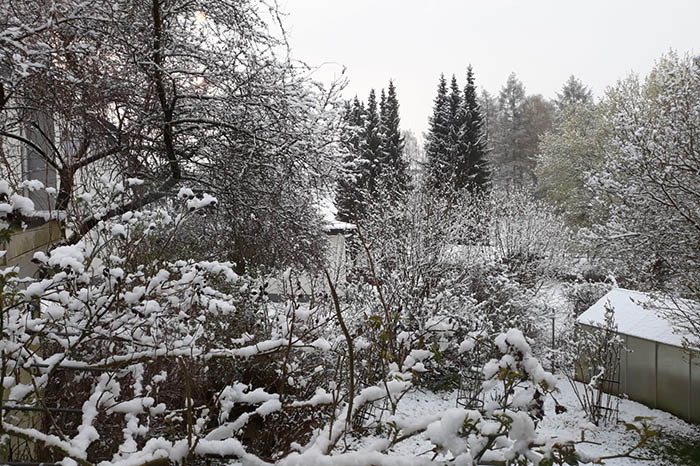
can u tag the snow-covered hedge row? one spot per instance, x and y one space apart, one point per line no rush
166 356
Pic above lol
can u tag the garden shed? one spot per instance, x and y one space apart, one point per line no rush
656 369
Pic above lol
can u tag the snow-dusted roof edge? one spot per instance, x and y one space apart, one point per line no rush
639 315
339 227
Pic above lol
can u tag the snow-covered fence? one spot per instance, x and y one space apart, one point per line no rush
657 369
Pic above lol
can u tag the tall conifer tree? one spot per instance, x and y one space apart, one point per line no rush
437 139
351 189
374 164
373 142
394 166
456 145
508 157
455 120
573 92
473 169
382 112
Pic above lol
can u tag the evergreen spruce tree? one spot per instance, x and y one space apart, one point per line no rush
394 167
472 169
374 159
373 145
456 144
437 139
573 92
356 120
382 113
508 158
350 193
455 120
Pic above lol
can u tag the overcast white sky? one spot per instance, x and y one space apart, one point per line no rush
542 41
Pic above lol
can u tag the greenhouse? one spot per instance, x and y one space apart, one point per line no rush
658 368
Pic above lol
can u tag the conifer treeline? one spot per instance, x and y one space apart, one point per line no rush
375 164
375 161
455 145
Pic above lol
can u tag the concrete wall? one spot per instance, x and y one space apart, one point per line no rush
40 130
24 243
19 251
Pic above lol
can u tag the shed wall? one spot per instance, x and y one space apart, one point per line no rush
641 370
673 374
623 366
695 388
660 376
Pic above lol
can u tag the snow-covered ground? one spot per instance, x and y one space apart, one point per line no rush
614 438
609 439
551 301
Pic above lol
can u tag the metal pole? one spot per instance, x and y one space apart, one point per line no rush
690 385
553 343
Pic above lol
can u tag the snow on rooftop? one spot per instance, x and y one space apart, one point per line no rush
639 315
338 225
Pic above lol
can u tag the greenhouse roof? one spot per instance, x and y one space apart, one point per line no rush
641 315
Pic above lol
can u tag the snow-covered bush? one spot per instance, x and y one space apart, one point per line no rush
503 431
134 359
429 262
528 237
407 285
592 356
649 182
154 350
500 300
582 295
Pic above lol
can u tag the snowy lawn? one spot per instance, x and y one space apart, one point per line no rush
609 440
612 438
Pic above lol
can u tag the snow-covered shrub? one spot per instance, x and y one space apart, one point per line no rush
491 301
503 431
528 237
423 274
407 285
592 356
149 346
582 295
500 300
164 362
